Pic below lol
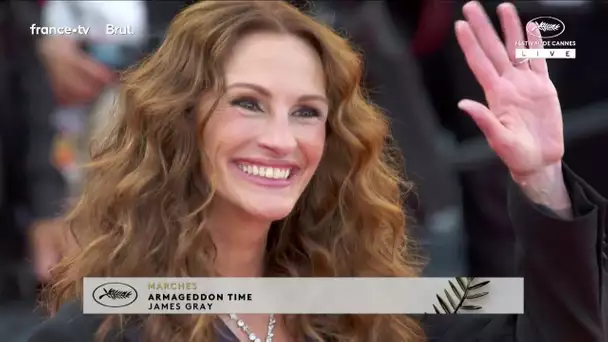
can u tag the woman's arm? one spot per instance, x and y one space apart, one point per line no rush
547 188
561 259
559 221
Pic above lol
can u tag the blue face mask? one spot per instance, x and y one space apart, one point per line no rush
114 56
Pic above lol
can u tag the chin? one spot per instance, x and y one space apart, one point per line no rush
269 212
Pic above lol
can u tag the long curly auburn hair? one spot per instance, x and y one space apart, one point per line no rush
142 209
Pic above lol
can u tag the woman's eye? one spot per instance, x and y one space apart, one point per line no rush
307 112
248 104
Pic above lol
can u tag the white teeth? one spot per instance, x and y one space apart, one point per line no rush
266 172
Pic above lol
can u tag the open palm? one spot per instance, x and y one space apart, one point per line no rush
523 120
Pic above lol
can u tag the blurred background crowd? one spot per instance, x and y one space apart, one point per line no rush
55 91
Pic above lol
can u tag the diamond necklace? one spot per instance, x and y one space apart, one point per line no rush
250 335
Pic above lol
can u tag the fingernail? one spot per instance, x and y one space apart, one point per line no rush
505 5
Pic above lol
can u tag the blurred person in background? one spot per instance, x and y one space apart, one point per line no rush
81 71
31 189
80 67
83 68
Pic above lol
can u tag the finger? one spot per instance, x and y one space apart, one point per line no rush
83 82
511 28
487 122
486 36
45 257
535 41
77 89
70 85
93 69
42 269
478 62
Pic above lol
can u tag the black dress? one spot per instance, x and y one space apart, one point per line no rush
563 262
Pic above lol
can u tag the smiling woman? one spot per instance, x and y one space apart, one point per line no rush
267 135
238 147
245 147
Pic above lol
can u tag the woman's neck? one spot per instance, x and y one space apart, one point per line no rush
240 243
240 260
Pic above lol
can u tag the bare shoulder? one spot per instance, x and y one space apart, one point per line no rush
69 324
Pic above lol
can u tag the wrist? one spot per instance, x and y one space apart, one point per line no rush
540 179
546 187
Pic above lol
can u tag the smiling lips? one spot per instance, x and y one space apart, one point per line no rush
267 172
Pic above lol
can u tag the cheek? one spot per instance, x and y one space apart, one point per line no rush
224 130
312 145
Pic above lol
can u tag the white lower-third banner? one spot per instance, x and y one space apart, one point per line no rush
303 295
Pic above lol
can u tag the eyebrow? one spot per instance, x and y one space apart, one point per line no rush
267 93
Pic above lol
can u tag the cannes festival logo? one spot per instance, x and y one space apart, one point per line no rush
546 27
115 295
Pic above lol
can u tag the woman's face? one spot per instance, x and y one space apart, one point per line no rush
267 135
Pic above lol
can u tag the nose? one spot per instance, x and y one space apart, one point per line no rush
278 137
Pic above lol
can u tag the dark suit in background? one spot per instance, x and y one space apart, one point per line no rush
30 186
160 14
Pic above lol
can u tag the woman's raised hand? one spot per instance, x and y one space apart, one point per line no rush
523 120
